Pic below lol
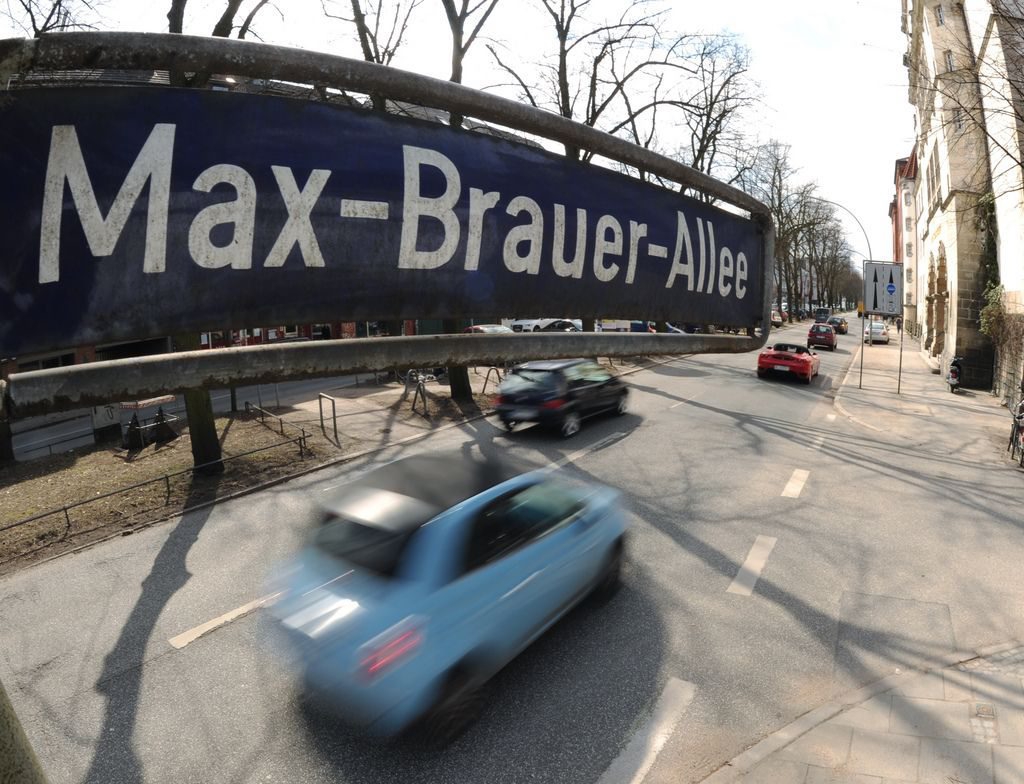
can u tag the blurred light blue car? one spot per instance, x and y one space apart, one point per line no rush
426 576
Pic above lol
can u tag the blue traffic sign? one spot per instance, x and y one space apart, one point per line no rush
130 213
891 288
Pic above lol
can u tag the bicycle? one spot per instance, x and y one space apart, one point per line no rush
1016 445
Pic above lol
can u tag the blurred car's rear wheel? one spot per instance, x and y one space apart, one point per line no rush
508 424
460 705
570 424
611 575
761 373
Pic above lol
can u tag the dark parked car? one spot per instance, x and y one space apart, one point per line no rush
839 324
559 394
560 325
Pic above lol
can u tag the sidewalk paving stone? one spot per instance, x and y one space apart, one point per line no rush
870 715
884 754
828 776
775 771
945 761
1009 764
826 746
930 718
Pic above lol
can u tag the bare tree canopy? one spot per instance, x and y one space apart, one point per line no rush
380 26
623 73
226 23
39 17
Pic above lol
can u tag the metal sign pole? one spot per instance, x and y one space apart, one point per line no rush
899 374
860 384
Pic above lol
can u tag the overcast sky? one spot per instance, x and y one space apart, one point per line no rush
830 72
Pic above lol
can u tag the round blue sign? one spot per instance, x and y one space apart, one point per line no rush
891 288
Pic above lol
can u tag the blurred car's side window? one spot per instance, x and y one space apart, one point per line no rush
512 521
594 373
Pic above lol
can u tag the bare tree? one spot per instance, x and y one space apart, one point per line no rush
380 28
794 210
39 17
225 24
460 15
612 74
721 93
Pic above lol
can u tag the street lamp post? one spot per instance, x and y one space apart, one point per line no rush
850 212
860 383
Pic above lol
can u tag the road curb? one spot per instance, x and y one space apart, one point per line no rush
287 478
750 758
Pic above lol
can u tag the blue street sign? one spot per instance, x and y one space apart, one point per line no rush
139 212
891 288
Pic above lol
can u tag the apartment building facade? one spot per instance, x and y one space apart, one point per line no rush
952 161
903 216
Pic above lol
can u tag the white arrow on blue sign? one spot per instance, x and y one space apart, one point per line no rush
883 288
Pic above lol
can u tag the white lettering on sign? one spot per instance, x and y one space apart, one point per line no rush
66 163
241 213
730 281
417 206
436 222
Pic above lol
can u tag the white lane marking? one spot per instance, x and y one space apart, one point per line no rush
632 765
747 576
676 405
357 208
657 251
831 417
817 442
183 639
572 457
795 483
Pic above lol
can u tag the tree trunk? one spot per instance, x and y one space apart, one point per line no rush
458 375
201 425
6 442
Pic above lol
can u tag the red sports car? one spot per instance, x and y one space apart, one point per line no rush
790 359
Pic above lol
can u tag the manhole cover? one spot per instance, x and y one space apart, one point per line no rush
984 710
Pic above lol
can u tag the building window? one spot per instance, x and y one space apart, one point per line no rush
908 224
958 119
910 273
909 250
949 60
940 17
906 198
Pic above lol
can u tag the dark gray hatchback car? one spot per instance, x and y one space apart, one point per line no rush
559 394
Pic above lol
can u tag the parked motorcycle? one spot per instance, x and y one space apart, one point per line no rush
955 375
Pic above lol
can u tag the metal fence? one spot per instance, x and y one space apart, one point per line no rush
67 525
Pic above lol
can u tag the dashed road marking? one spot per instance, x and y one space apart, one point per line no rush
747 576
572 457
632 765
183 639
795 483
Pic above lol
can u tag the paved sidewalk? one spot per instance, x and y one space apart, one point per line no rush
960 722
923 412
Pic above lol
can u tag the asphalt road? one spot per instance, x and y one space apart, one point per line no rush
866 556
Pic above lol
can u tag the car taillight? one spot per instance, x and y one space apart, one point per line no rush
390 648
500 400
551 404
